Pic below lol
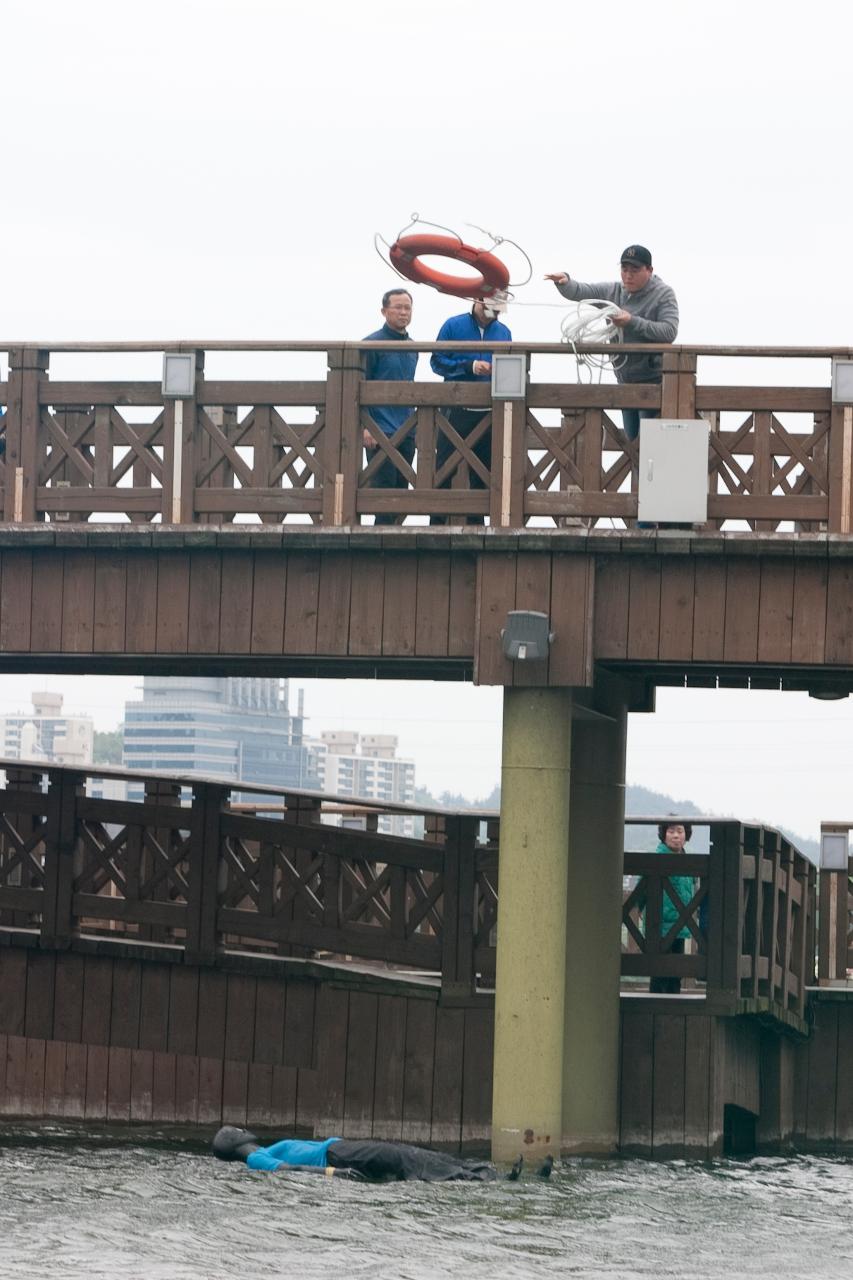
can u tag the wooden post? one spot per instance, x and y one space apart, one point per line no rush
834 890
343 451
678 386
58 923
27 366
840 470
209 800
509 454
457 951
725 914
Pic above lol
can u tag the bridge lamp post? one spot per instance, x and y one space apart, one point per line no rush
509 384
834 864
178 385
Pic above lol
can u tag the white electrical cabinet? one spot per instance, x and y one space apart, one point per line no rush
673 479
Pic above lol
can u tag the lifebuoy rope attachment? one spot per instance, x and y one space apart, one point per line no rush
493 275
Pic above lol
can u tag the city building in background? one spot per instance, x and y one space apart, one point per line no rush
234 728
46 734
366 765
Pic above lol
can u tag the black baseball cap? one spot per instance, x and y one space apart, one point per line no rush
636 255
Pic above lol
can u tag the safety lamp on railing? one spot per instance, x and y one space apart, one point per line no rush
834 850
178 385
509 377
178 375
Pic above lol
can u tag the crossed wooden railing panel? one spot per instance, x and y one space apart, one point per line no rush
183 868
749 920
292 450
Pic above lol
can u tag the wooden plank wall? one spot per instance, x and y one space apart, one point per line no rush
680 1067
239 603
107 1038
777 609
823 1096
425 607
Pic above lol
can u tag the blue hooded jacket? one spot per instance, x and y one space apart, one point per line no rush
456 366
397 365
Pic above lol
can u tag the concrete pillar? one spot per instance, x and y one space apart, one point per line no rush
593 924
531 958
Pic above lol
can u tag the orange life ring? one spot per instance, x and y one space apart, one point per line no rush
406 254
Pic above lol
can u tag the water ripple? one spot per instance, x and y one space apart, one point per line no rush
156 1214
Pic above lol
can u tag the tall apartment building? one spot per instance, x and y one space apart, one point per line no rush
366 765
46 734
234 728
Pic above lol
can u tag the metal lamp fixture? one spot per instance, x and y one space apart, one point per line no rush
527 636
842 381
834 850
509 377
178 375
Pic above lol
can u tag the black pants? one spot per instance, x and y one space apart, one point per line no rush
388 477
669 986
631 419
463 422
400 1162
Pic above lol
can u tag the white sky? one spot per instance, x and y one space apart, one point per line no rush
201 169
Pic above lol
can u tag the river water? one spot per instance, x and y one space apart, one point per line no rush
70 1210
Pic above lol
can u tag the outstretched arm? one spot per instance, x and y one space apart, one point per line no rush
576 290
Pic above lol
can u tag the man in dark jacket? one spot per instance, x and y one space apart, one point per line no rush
480 324
396 1161
370 1159
395 365
648 313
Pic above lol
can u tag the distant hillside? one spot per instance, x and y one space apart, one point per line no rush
638 800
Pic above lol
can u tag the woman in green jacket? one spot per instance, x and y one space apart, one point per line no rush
673 836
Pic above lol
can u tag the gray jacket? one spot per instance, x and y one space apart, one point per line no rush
655 313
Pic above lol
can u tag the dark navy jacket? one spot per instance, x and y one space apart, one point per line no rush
395 365
457 366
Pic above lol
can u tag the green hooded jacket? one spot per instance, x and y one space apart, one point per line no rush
684 889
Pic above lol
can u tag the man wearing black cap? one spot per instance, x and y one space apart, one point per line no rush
649 313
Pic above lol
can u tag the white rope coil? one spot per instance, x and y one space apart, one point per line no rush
591 322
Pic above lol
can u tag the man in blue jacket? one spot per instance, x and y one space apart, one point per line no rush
480 324
395 365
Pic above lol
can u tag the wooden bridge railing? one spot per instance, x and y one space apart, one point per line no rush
285 451
202 876
749 921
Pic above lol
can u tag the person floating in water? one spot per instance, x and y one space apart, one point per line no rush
369 1160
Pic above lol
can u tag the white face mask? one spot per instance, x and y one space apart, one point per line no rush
495 306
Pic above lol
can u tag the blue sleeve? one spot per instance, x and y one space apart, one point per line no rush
450 364
263 1160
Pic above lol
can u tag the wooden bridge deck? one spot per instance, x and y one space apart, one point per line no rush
771 610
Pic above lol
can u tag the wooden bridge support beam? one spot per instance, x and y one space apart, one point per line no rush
593 916
531 949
